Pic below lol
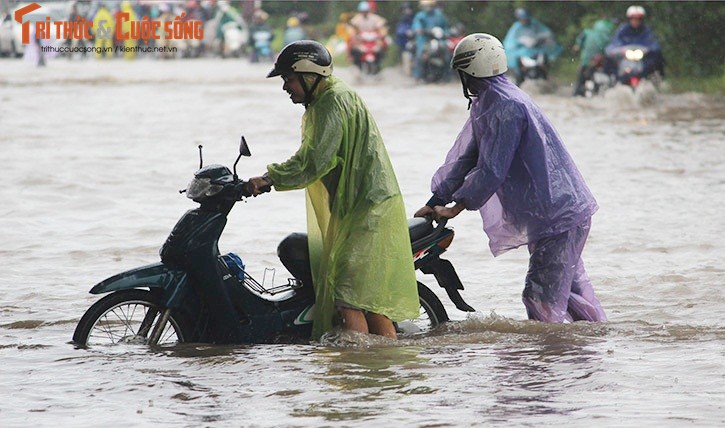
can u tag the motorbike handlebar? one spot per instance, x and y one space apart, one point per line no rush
237 191
266 188
243 189
440 224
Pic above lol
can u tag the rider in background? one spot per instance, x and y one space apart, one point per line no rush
365 21
340 41
636 32
424 21
591 44
404 37
226 13
103 45
528 36
294 31
259 25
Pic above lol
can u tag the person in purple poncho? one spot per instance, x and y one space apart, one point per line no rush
510 164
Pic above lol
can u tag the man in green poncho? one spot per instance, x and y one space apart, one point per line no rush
591 44
360 252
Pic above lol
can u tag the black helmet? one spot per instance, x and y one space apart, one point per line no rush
303 56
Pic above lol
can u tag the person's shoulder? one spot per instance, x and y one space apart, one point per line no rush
510 97
338 89
647 29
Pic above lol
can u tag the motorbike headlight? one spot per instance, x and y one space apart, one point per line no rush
634 54
201 188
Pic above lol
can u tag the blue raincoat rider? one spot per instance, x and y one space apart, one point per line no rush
425 20
635 32
527 37
510 164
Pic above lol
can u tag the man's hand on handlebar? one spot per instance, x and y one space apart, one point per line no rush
438 212
447 212
425 211
259 185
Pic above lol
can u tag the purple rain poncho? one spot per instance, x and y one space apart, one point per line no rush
495 166
509 163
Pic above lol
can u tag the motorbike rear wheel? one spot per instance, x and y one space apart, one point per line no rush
127 316
432 314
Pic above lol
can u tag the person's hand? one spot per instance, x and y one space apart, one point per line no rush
259 185
426 210
446 212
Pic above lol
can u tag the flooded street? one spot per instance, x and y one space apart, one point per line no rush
94 154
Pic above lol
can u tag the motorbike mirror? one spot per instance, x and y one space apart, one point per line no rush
243 151
244 148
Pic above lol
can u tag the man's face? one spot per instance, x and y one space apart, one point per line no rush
635 22
293 86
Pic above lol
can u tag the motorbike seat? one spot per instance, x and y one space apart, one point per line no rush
419 227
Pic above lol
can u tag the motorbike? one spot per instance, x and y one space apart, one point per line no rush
533 62
195 294
234 41
435 59
262 46
368 51
595 77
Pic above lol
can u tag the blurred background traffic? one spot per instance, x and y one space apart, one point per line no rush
565 40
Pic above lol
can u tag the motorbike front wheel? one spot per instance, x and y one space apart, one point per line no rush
432 314
127 316
369 68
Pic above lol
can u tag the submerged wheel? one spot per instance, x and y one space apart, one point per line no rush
127 316
432 314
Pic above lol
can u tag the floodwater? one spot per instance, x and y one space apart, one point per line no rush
94 153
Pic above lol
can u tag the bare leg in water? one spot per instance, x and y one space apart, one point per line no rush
357 320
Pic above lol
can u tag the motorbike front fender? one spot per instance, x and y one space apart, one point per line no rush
157 275
448 279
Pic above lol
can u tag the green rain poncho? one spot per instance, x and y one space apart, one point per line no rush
592 41
358 236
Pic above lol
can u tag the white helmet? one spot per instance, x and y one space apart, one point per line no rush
479 55
635 12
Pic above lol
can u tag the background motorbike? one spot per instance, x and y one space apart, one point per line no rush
368 50
234 41
435 59
533 62
198 295
595 77
262 46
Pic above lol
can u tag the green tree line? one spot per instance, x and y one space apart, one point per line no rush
691 32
